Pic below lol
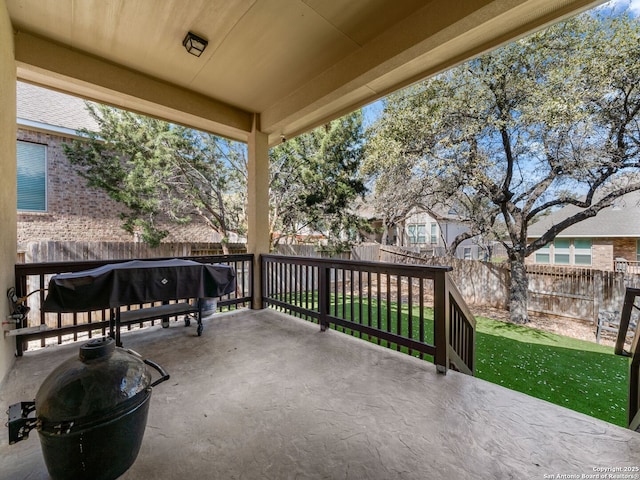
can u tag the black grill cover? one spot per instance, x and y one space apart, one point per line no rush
137 281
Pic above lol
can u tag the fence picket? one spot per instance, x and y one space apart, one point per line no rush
578 293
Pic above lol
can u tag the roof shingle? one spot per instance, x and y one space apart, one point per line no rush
622 219
48 107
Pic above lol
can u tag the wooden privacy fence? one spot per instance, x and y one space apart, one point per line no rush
40 252
480 283
411 308
578 293
368 252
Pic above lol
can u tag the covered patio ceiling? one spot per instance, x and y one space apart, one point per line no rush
281 66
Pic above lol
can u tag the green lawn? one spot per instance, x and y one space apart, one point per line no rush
579 375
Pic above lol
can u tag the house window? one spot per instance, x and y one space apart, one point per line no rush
32 176
562 251
543 255
434 233
417 233
582 251
411 230
466 253
637 250
566 251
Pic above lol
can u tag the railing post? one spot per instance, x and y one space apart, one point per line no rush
264 290
625 318
324 287
441 322
634 386
631 295
21 291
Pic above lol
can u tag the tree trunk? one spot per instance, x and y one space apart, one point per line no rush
400 234
385 233
518 293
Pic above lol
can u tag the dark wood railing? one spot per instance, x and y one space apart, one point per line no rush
411 308
32 279
630 317
462 331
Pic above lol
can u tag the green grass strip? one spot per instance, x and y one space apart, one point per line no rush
583 376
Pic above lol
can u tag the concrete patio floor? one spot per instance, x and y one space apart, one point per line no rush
262 395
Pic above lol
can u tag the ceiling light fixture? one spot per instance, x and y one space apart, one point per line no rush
194 44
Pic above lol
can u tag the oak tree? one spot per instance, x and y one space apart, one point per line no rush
548 121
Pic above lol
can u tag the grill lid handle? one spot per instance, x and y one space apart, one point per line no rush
165 376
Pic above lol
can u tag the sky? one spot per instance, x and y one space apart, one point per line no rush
634 5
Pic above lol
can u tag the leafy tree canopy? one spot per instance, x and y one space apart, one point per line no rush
160 170
164 171
315 180
547 121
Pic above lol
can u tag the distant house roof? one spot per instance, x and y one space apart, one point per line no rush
445 213
49 110
622 219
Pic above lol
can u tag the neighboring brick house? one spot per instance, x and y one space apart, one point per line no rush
54 203
608 241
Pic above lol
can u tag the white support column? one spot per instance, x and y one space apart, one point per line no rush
258 203
8 205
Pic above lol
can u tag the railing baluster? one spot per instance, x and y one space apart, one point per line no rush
324 288
359 290
43 320
369 302
421 307
410 311
352 312
389 302
379 298
293 270
453 325
399 298
65 326
344 293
